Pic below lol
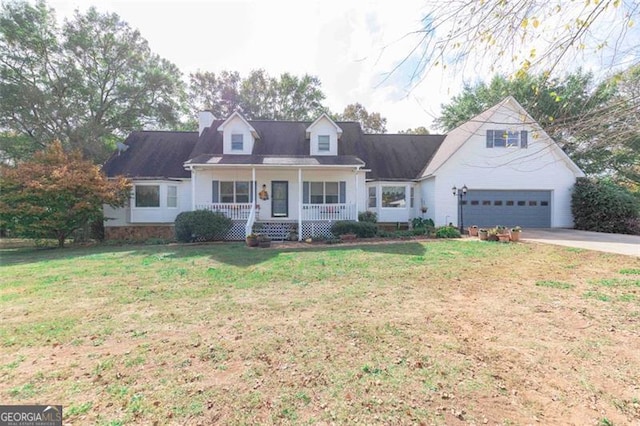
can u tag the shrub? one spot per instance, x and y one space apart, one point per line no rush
361 229
368 216
201 225
447 232
603 206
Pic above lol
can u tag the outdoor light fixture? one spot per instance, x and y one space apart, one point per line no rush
461 193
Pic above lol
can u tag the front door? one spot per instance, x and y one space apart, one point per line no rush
279 198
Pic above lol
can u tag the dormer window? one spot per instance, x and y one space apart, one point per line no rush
506 139
237 142
324 143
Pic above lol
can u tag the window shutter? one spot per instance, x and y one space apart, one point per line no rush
524 142
305 192
343 192
215 193
490 138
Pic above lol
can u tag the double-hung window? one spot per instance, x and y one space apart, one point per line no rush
231 192
324 143
507 138
373 199
237 142
324 192
172 196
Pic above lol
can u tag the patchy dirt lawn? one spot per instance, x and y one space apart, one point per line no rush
454 332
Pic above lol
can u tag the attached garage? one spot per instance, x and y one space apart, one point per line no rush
488 208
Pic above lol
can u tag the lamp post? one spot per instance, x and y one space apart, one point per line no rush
460 193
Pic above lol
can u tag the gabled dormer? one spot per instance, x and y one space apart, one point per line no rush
238 136
323 135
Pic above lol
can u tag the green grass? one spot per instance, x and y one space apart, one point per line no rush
368 334
554 284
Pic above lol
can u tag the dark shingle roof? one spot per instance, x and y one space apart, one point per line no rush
396 157
155 154
162 154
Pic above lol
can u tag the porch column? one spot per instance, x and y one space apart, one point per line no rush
300 204
254 189
357 195
193 188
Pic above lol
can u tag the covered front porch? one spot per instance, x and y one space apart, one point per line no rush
308 200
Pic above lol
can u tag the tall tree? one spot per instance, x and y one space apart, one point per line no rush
87 82
55 193
370 122
421 130
258 96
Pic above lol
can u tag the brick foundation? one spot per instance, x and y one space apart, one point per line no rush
139 233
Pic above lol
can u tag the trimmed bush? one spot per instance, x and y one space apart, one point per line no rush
368 216
447 232
201 225
603 206
361 229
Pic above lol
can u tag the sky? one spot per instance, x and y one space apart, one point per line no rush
351 45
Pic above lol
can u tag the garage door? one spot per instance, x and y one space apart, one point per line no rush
529 209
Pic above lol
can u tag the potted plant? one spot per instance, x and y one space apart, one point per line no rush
473 231
252 240
482 234
492 234
515 233
264 241
503 234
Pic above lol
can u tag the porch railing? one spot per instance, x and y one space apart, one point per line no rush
239 211
331 212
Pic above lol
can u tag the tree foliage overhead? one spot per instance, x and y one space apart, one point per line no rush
520 36
258 96
86 82
370 122
420 130
597 124
56 193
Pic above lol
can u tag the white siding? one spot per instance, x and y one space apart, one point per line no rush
264 176
539 167
237 126
427 193
396 214
324 127
163 214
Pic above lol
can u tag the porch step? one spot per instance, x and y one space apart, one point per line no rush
277 231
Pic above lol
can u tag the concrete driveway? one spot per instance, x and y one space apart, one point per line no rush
610 243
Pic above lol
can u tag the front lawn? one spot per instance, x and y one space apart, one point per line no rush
436 332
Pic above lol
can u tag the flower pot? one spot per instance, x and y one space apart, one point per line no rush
473 231
505 238
483 234
515 235
252 241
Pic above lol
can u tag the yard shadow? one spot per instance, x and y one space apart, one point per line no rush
235 254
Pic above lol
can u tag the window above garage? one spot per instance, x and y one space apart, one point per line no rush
507 138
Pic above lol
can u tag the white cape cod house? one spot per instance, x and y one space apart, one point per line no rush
287 175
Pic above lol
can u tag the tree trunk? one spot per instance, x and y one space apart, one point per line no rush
61 239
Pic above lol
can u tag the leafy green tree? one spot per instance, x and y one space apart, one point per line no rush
55 193
86 82
258 96
370 122
421 130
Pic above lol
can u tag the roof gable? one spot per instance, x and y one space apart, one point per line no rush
324 116
236 114
461 134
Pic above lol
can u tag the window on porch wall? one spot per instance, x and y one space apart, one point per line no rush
232 191
324 192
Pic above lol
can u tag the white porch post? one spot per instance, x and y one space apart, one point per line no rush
255 187
300 204
357 195
193 188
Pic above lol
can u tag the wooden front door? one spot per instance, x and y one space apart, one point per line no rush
279 198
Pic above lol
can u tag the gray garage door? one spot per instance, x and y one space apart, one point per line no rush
529 209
